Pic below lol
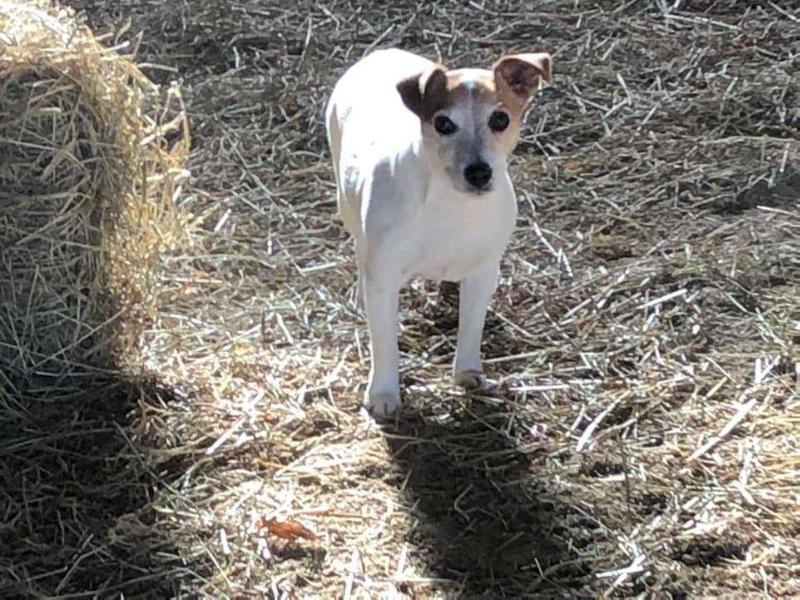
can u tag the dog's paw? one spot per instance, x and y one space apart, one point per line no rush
381 405
470 379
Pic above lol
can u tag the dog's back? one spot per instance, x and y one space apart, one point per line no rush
366 98
367 123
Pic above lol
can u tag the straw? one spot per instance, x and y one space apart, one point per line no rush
642 438
87 178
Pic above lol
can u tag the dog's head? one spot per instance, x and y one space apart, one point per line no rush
471 117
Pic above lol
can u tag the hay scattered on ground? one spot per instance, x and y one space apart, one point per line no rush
644 337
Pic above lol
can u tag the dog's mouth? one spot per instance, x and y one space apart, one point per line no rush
479 190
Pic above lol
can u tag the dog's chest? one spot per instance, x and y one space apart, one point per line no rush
455 235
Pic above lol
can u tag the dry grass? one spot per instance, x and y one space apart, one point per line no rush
644 337
86 194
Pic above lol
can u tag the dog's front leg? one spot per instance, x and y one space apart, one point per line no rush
475 295
381 296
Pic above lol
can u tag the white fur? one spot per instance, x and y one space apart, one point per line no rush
407 219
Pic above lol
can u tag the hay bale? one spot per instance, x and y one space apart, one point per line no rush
91 159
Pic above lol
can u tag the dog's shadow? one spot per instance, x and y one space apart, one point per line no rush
489 522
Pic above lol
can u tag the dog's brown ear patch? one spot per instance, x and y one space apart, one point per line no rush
425 93
519 76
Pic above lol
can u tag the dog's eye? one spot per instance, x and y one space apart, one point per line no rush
444 125
498 121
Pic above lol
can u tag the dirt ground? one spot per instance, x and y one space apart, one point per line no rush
645 336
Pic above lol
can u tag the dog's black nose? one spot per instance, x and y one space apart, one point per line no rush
478 174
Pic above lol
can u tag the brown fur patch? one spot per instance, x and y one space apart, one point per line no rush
436 89
426 93
511 84
518 77
483 89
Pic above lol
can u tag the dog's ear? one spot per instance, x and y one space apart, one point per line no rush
425 93
519 76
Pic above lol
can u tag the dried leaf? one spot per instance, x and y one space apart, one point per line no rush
288 530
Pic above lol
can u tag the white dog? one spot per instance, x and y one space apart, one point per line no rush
420 156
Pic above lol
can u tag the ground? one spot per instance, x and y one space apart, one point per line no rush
645 336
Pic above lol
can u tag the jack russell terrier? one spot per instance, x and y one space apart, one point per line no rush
420 157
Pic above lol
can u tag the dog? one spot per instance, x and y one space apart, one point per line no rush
420 157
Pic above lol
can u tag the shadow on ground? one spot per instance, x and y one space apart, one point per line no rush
76 515
489 522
